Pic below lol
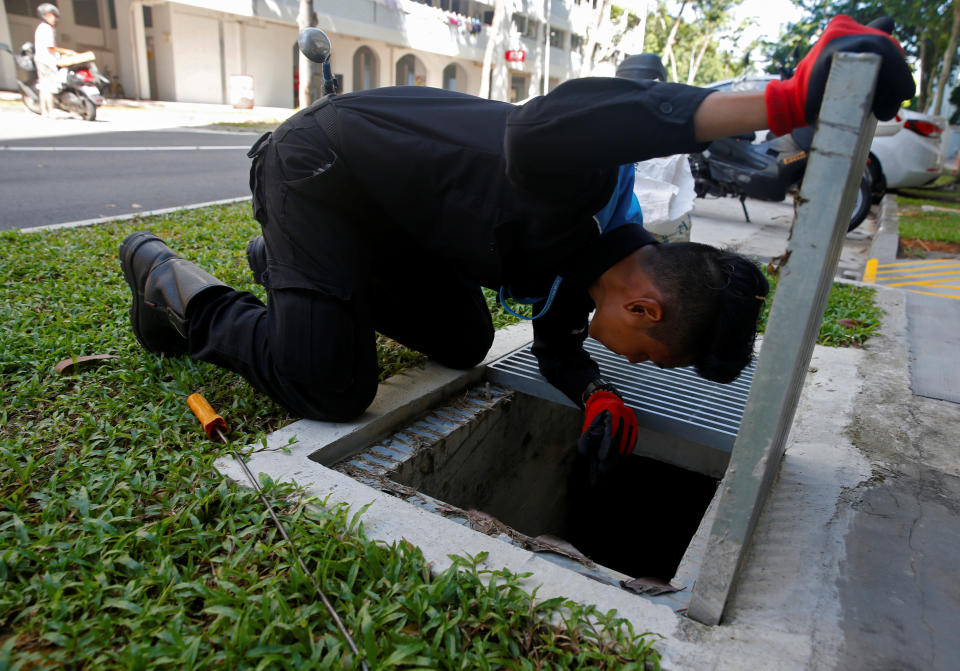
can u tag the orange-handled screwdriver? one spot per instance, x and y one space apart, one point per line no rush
213 424
216 427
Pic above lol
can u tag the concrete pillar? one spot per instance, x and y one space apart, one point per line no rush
132 49
8 68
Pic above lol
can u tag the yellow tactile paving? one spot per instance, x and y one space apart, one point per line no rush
933 277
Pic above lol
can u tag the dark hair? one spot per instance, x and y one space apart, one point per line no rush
712 304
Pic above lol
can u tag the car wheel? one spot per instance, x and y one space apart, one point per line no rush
879 187
864 200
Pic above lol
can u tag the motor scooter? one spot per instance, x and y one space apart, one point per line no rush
769 170
80 83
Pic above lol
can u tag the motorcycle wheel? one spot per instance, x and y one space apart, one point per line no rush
89 112
31 104
864 200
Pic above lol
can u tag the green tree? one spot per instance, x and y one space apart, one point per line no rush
691 50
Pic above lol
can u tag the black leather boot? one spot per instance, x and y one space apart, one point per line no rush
257 258
163 284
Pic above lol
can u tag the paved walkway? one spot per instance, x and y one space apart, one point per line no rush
932 289
118 115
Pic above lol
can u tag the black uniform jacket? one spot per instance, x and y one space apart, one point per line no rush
507 193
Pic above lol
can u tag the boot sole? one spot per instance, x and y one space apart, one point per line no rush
256 258
127 251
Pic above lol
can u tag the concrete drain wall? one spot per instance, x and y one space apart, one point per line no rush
505 464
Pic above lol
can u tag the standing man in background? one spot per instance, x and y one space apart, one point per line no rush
45 56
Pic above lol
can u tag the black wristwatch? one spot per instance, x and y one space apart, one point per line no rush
598 385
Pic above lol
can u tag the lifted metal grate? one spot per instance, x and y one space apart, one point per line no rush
675 401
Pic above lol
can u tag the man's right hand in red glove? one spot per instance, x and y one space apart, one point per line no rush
796 102
609 431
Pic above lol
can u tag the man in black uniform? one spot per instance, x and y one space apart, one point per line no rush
378 203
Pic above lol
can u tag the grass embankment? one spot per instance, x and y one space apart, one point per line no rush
246 126
122 547
929 225
849 319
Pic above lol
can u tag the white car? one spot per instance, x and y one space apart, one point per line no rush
906 151
909 149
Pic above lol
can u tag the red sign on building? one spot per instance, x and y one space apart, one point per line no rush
516 55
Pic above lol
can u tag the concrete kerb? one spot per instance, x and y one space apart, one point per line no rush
887 239
191 113
132 215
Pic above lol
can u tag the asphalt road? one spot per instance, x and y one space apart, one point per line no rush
66 170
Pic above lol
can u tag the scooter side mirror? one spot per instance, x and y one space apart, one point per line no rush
315 45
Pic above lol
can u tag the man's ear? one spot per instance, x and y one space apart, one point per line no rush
645 308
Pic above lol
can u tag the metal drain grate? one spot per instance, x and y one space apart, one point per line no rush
675 401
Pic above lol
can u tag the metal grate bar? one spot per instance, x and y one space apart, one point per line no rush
676 401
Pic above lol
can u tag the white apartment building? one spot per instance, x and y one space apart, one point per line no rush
190 50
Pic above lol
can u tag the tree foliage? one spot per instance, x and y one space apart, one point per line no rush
702 49
694 38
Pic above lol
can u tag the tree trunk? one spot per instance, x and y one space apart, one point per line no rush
947 59
696 60
304 20
494 38
591 45
671 38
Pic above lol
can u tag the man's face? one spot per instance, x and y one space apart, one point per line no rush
635 344
50 18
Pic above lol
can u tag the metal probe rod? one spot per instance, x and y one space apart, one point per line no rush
214 424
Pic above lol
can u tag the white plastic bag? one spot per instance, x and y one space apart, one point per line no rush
664 187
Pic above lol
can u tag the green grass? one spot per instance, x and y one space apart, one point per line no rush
121 547
247 126
942 191
935 225
849 319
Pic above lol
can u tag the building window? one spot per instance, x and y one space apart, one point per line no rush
575 41
147 16
526 26
112 12
455 78
410 71
557 37
365 74
22 7
519 88
86 13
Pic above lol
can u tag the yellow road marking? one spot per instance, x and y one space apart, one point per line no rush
923 267
918 261
926 283
933 274
930 293
942 274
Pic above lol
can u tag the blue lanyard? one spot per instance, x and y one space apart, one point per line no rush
530 301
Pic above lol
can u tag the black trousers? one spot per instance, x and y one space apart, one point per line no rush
336 274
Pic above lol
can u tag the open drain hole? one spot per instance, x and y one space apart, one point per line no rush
514 459
641 523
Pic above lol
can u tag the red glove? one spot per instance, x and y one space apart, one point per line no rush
609 427
796 102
